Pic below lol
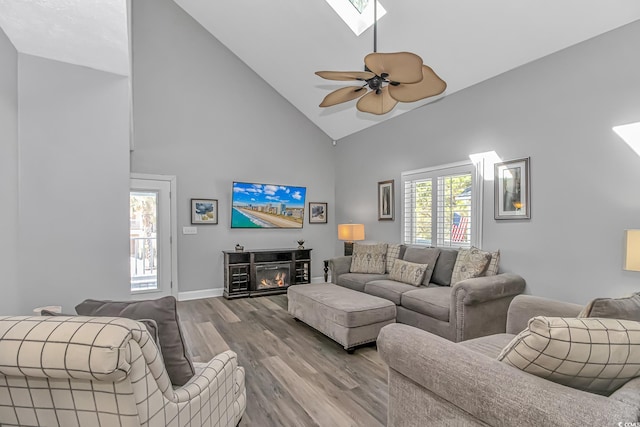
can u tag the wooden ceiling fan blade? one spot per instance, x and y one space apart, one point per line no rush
343 95
345 75
403 67
377 103
430 85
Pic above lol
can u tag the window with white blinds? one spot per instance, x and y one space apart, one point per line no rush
442 206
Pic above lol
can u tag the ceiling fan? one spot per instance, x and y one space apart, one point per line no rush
392 78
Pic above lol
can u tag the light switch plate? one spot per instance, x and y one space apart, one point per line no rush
189 230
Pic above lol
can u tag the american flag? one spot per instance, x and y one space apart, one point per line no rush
459 228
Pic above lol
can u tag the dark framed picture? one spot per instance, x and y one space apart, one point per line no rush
317 213
512 196
204 211
385 200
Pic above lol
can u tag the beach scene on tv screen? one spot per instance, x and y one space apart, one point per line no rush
267 206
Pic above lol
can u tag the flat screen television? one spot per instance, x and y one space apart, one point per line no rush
255 205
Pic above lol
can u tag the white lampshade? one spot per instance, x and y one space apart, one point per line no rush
632 250
350 232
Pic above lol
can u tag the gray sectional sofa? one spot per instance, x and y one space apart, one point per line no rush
460 311
436 382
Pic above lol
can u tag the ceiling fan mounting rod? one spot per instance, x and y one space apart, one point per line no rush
375 26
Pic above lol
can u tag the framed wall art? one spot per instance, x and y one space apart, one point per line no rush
512 197
317 213
204 211
385 200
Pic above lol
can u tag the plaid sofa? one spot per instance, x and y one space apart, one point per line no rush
106 371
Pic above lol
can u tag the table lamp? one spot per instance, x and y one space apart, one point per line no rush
350 233
632 250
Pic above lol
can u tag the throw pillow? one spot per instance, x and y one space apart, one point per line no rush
393 253
595 355
492 269
427 256
470 263
369 258
408 272
443 269
627 308
164 312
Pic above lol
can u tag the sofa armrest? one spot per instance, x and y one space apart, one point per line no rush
212 376
338 266
525 307
489 390
488 288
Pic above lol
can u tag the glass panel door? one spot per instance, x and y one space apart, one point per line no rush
150 252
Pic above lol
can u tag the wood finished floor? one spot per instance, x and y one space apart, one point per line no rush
295 376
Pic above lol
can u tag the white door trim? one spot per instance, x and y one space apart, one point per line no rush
174 222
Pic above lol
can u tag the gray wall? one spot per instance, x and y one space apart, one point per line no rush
8 175
74 181
202 115
558 110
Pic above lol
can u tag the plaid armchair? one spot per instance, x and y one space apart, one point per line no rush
92 371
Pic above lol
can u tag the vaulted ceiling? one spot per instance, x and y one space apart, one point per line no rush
286 41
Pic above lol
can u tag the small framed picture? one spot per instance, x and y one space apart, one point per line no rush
511 187
385 200
204 211
317 213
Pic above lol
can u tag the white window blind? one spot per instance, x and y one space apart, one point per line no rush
442 206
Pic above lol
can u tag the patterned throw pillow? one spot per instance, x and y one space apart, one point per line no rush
393 253
408 272
470 263
369 258
595 355
627 308
492 269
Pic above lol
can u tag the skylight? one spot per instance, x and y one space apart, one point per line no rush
357 14
630 134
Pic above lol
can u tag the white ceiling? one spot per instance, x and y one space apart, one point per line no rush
286 41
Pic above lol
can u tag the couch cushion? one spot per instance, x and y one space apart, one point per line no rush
408 272
470 263
164 312
433 301
356 281
388 289
627 308
490 346
369 258
427 256
394 252
591 354
444 267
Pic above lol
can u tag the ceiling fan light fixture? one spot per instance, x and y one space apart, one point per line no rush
392 78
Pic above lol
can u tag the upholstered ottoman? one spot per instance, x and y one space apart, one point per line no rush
349 317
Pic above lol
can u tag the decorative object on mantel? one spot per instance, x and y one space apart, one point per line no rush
317 213
239 248
350 233
385 200
392 78
632 250
300 244
512 197
204 211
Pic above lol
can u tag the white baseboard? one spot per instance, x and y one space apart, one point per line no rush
204 293
317 279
